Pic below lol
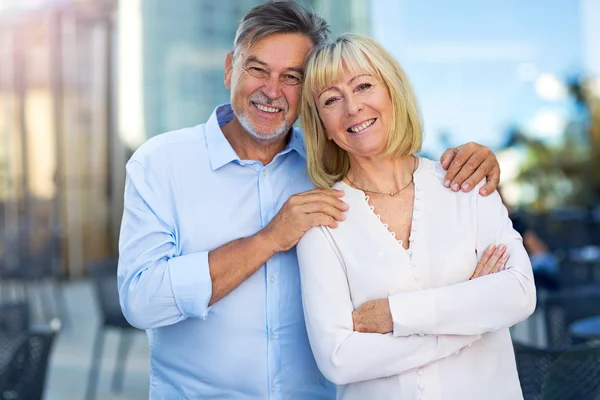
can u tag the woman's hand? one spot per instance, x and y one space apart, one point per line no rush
493 260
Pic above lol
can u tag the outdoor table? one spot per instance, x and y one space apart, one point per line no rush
586 329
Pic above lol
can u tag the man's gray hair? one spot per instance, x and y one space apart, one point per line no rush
279 16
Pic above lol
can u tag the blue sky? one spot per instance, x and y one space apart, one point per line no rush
472 62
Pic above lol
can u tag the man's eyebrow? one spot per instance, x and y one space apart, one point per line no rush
299 70
254 59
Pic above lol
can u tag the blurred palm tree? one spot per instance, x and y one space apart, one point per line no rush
565 174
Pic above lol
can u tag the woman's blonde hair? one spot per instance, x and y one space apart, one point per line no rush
328 163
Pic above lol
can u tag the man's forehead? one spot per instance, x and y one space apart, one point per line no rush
268 49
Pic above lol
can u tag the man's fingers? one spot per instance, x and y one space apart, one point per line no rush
320 198
475 160
320 219
463 154
322 192
447 157
484 169
493 179
322 207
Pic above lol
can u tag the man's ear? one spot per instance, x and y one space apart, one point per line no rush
228 70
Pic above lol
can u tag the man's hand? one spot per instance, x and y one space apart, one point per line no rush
467 165
301 212
373 317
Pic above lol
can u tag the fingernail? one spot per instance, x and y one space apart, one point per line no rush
484 192
505 256
455 186
466 186
491 247
501 247
447 183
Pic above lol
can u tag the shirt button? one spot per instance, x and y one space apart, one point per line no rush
273 388
272 336
272 278
265 173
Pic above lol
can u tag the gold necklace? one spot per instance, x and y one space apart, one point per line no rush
388 193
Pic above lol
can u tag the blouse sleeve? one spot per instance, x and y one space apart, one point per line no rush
477 306
345 356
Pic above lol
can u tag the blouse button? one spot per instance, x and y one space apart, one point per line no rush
457 353
411 239
419 372
421 386
418 188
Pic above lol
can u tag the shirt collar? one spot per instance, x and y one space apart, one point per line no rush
220 151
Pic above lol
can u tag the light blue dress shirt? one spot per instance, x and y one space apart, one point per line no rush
187 193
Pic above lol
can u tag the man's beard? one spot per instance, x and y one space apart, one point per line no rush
246 123
280 131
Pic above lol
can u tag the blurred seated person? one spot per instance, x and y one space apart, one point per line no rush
543 262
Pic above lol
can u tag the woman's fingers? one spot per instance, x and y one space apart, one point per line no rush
493 260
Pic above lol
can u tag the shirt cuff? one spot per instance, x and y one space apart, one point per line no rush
412 312
191 284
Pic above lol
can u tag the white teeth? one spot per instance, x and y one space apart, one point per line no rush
362 126
266 109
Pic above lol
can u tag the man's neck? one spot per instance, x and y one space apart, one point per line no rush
249 148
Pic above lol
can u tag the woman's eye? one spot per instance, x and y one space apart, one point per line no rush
330 101
363 86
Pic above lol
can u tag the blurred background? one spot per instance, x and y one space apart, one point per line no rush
84 82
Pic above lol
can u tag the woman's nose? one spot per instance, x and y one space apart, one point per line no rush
353 106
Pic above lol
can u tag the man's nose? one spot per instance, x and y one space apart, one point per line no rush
272 87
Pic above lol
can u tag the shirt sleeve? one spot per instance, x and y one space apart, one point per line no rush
158 285
477 306
345 356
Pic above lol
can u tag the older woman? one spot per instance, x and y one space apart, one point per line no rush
391 306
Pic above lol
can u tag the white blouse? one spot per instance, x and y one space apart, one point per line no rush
451 339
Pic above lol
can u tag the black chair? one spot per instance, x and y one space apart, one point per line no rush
24 362
563 307
559 373
14 318
104 279
22 266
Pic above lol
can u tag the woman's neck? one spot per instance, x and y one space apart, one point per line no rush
381 175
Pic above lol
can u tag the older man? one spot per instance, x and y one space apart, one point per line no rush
212 214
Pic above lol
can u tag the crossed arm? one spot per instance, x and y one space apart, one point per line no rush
477 306
427 325
342 354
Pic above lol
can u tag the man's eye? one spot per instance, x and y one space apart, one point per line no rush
257 72
291 80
